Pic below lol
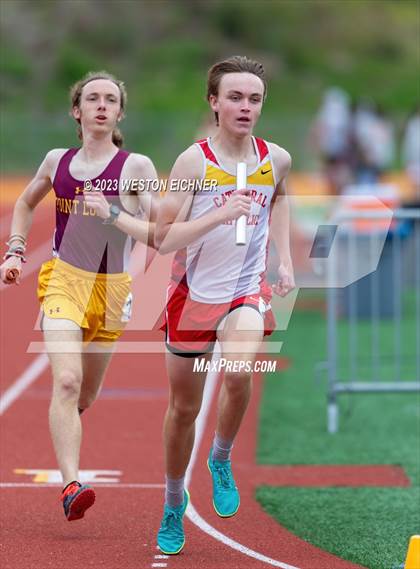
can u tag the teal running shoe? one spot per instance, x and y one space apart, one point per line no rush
225 493
171 538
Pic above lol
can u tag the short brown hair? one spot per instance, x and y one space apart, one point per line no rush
76 93
234 64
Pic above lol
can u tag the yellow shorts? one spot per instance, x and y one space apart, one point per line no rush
99 303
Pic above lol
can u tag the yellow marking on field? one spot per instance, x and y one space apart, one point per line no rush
53 476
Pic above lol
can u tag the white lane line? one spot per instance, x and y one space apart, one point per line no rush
35 369
210 530
191 512
39 364
28 377
97 485
35 259
159 564
200 423
161 556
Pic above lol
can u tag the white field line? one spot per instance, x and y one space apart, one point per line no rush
191 512
122 485
39 364
31 373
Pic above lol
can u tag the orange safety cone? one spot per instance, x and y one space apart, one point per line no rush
413 554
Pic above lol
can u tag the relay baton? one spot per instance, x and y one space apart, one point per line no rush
12 275
241 221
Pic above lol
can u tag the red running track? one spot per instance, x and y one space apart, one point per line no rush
122 433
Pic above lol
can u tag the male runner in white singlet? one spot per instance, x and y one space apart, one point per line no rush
217 289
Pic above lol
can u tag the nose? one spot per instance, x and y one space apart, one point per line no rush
245 105
101 103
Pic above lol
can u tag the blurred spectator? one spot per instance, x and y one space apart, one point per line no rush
383 149
373 143
331 137
411 149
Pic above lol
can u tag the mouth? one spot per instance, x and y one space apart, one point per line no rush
244 120
100 118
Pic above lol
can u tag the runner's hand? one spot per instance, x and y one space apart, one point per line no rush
239 203
286 280
11 270
97 201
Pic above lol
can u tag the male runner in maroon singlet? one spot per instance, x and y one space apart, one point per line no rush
84 290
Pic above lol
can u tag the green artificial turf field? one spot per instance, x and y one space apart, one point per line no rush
369 526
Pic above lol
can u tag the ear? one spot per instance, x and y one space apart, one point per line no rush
214 104
76 113
120 116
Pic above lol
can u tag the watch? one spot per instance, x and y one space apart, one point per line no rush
114 212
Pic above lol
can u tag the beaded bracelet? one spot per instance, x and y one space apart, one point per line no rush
14 253
16 244
19 235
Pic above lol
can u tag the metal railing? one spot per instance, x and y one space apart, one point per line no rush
385 301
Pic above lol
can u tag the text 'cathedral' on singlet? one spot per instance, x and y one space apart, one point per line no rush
80 238
217 270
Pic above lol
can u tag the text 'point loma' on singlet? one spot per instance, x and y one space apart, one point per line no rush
80 238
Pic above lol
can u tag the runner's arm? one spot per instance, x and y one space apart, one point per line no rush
173 230
138 169
141 229
34 192
280 221
25 205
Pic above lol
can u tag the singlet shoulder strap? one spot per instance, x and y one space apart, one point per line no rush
262 148
207 151
64 163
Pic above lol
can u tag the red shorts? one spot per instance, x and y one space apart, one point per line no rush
191 326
